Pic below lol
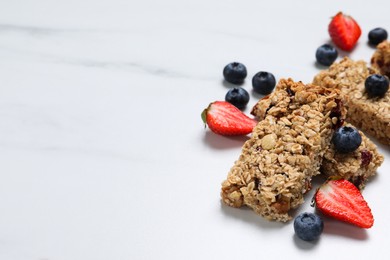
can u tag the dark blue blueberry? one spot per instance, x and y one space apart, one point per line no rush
238 97
376 85
346 139
263 82
235 72
308 226
326 54
377 35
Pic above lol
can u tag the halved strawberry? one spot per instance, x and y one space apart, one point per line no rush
340 199
225 119
344 31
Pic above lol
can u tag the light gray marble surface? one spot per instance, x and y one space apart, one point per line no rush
103 154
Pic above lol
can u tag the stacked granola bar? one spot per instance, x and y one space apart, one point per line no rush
372 115
356 167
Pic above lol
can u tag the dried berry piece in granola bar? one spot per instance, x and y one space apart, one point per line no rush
366 157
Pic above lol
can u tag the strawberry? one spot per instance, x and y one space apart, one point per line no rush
344 31
225 119
340 199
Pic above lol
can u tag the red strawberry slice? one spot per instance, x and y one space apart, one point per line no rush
344 31
225 119
341 199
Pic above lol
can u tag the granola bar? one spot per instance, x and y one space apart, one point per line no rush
372 115
381 58
356 167
285 151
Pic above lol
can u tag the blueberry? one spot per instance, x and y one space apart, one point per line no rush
263 82
377 35
308 226
376 85
235 72
326 54
346 139
238 97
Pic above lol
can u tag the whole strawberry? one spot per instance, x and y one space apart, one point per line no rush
340 199
225 119
344 31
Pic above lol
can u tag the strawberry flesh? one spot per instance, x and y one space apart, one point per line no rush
344 31
225 119
341 199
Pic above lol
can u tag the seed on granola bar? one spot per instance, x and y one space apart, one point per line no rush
268 142
336 114
281 206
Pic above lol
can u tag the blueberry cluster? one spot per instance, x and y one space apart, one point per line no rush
235 72
346 139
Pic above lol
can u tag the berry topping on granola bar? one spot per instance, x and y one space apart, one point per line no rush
346 139
376 85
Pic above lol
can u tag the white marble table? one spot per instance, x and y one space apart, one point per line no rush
103 154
